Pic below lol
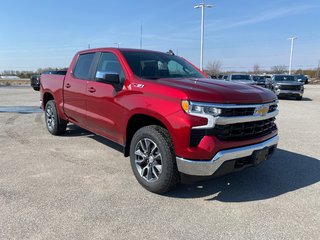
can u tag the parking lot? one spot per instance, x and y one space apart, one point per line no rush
77 187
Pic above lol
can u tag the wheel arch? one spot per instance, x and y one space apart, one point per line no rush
138 121
47 96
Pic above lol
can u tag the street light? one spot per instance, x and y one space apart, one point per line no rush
291 52
202 6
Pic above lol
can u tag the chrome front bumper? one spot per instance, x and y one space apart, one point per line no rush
289 92
208 168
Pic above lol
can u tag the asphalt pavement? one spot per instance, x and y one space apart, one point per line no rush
78 187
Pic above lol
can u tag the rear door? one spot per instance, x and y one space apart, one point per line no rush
104 114
75 88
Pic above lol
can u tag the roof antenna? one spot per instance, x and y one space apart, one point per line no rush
170 52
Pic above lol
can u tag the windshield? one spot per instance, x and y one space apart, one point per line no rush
284 78
155 65
241 77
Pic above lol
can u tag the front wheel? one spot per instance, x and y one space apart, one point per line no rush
153 160
299 98
55 125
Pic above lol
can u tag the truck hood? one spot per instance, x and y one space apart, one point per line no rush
217 91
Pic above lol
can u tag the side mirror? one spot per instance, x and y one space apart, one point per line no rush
108 77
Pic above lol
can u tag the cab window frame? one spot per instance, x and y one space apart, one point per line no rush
91 68
98 59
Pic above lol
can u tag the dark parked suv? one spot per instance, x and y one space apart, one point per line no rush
263 81
288 85
303 79
35 79
35 82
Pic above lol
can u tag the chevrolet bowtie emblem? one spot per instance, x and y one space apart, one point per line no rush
261 110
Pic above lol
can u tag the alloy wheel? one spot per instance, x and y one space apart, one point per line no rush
148 160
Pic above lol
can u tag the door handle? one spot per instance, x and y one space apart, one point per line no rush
92 89
68 85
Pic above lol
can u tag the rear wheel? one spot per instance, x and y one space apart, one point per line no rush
299 98
55 125
153 160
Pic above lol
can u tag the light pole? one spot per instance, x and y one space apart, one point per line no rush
202 6
117 43
291 52
141 36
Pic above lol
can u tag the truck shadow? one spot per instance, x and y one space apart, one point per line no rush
76 131
284 172
304 99
307 99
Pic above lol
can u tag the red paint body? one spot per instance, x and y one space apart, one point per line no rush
107 111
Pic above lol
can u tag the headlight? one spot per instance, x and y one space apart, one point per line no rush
195 108
205 110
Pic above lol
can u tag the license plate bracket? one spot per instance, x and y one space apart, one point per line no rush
259 156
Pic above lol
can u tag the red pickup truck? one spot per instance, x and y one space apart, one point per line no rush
165 114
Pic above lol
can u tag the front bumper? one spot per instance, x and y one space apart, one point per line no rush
289 93
208 168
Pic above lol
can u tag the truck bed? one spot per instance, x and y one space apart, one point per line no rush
53 83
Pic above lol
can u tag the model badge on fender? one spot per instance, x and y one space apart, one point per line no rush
138 85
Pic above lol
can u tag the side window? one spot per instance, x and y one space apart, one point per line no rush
110 64
83 66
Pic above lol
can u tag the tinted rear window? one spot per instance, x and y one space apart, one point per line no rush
83 66
240 77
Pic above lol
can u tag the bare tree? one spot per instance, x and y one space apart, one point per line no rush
214 68
279 69
256 69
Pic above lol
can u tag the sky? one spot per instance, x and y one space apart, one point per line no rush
36 34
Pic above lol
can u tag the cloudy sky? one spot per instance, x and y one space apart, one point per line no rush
36 34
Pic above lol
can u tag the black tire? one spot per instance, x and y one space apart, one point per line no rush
158 140
299 98
55 125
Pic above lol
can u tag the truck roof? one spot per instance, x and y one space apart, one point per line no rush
116 49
